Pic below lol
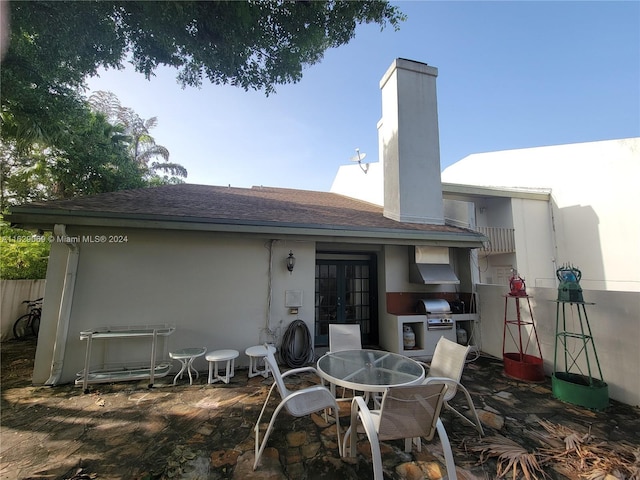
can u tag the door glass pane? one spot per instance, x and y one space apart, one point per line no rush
342 296
325 298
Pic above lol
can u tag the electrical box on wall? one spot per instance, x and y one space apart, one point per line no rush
293 300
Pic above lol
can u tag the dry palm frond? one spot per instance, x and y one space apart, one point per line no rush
511 458
623 462
573 440
592 461
599 474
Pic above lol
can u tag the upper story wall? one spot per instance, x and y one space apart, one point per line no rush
353 182
536 254
594 197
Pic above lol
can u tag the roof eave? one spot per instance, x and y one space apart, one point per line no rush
463 191
32 218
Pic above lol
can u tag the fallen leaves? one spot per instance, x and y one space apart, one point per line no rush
511 457
577 451
593 460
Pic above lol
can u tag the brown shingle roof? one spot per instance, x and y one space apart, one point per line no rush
216 204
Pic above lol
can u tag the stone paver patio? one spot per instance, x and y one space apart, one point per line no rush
127 431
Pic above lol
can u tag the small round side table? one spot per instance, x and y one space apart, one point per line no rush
228 356
186 356
256 353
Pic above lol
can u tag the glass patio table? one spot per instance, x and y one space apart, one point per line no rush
369 370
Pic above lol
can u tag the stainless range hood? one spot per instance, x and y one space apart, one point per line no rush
431 266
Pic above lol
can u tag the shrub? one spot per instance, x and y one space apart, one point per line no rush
23 255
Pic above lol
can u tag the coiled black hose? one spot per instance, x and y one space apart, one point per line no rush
288 347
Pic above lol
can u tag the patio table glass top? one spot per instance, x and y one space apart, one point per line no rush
369 370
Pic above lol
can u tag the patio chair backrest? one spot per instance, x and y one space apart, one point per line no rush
410 411
344 336
298 402
275 371
448 361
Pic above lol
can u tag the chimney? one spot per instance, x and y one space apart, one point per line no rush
409 145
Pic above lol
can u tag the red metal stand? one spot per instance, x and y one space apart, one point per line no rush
521 364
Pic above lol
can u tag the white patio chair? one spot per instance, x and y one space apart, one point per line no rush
446 367
405 413
344 336
298 403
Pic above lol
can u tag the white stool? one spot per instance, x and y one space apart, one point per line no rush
213 358
186 356
255 354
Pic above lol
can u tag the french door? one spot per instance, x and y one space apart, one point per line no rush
346 293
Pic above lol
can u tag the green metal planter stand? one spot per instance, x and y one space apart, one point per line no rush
575 382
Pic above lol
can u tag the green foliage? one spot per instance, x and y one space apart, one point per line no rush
250 44
53 48
55 45
54 145
25 176
136 133
91 157
23 255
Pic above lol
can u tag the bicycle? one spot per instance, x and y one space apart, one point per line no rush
29 323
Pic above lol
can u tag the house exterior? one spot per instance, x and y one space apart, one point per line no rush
589 219
211 261
541 208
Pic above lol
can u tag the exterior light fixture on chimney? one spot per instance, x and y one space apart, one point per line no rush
291 261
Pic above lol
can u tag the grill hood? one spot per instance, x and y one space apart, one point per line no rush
430 266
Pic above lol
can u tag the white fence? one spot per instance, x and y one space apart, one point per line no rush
13 293
614 318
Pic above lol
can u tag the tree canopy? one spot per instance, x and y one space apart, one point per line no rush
143 148
55 45
106 147
55 145
54 142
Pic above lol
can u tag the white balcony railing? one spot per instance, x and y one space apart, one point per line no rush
501 240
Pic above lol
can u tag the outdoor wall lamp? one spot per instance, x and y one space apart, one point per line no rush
291 261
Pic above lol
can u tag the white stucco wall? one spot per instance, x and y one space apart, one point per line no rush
459 213
353 182
534 238
595 197
614 324
408 133
495 212
213 287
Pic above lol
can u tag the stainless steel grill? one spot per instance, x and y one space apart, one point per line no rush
438 312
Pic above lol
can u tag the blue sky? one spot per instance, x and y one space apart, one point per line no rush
511 75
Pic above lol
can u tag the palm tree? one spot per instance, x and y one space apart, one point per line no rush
143 148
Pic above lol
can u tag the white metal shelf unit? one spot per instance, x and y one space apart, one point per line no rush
125 371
